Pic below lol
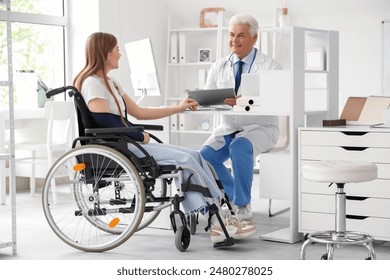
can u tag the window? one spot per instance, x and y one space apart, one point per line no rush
43 7
38 50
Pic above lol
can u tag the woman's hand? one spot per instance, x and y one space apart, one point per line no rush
146 137
231 101
188 103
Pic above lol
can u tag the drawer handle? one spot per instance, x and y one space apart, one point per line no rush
356 217
354 148
358 198
354 133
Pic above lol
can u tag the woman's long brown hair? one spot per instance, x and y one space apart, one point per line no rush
97 47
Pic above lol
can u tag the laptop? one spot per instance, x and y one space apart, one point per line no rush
212 98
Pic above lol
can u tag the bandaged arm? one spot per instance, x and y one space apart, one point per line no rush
104 120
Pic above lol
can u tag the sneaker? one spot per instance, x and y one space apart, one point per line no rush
244 229
217 235
244 213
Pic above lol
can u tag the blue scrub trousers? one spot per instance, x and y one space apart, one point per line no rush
240 151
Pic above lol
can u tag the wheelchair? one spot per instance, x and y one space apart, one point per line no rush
104 193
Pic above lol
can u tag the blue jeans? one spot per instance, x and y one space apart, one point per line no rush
240 151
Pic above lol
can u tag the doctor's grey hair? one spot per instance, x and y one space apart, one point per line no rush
246 19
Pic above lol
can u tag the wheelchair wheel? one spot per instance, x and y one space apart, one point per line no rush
100 198
182 238
150 216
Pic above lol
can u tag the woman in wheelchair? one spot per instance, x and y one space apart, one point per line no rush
198 188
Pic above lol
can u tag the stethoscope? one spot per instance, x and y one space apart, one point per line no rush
226 74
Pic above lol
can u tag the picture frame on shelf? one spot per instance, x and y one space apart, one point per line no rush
212 19
314 59
204 55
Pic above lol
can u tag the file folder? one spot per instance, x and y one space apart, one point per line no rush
174 52
182 48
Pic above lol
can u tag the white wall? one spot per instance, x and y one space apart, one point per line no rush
358 21
135 20
84 20
128 21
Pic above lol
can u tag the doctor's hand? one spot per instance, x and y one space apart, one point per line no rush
188 103
231 101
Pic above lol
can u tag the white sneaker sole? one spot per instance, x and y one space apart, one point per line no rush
221 235
246 232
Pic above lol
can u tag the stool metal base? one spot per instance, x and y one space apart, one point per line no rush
334 239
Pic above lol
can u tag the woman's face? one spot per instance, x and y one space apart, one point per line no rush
113 58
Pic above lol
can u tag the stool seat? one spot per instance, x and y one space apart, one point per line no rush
340 171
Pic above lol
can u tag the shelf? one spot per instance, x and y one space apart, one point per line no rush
174 98
316 71
191 131
208 64
195 29
4 115
315 112
4 156
5 244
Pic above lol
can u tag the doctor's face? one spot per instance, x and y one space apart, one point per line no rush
240 40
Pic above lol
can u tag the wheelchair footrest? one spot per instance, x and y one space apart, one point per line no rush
226 243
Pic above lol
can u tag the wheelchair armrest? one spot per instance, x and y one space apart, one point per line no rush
150 126
114 130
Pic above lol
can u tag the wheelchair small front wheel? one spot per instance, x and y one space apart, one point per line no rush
182 238
100 198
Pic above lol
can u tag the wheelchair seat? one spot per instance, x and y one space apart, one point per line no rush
105 193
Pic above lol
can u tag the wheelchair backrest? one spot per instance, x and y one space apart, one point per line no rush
84 118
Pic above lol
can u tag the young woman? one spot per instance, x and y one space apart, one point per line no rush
103 94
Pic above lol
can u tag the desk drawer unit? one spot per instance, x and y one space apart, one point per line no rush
368 203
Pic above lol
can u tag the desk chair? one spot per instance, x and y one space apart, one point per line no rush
60 118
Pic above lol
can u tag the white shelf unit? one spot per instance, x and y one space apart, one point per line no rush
302 105
10 156
368 203
191 74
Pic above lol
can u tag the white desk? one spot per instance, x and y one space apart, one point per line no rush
278 170
30 124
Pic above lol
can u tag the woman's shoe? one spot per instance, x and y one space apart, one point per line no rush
244 228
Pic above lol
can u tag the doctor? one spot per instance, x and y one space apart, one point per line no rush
240 138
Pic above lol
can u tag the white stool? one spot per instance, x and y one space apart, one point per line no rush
339 173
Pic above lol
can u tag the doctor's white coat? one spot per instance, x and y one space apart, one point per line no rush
261 131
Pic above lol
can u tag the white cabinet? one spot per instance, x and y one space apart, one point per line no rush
368 203
10 155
